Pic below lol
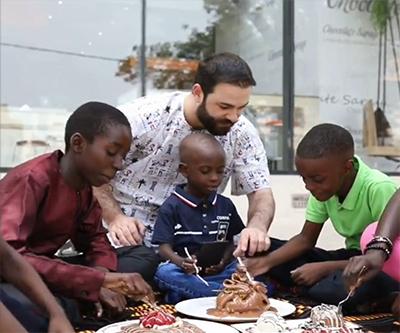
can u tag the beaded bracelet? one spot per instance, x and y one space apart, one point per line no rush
381 239
377 247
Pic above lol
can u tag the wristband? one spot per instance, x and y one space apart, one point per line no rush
381 239
377 247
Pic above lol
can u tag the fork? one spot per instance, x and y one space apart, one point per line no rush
340 305
151 304
249 277
352 290
196 268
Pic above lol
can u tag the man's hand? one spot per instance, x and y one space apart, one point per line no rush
373 261
60 324
310 274
125 230
252 240
396 307
131 285
188 265
256 266
111 301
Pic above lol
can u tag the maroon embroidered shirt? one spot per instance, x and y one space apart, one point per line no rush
39 212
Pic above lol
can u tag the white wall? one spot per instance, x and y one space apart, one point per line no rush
288 221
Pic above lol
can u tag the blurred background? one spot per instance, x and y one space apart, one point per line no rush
314 61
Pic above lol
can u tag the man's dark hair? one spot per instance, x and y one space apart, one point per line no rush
223 68
91 119
325 140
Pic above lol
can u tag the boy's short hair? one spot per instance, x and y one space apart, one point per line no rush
91 119
325 140
192 142
223 67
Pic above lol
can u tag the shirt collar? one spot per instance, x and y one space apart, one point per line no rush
192 200
351 198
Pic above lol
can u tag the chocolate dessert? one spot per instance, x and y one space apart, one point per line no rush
158 321
332 330
241 298
271 322
326 319
326 316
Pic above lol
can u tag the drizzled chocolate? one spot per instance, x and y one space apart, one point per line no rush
241 298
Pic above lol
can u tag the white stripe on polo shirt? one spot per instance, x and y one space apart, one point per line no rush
188 233
186 201
192 204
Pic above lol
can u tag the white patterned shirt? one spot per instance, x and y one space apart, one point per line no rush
151 172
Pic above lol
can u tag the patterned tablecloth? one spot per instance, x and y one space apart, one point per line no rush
383 322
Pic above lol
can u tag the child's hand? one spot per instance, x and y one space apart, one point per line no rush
309 274
215 269
188 265
372 261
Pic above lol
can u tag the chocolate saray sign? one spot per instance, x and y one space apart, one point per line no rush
336 59
348 62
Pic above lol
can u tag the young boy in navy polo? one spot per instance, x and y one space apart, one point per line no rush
192 215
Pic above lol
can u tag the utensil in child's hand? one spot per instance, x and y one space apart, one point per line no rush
196 268
245 269
151 304
352 290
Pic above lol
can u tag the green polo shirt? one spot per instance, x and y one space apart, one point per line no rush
363 205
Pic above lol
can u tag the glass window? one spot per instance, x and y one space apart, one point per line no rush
55 56
253 30
348 73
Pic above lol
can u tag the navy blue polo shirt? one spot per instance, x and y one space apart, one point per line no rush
185 221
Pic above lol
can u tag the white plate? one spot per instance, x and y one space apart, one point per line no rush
198 307
292 324
207 326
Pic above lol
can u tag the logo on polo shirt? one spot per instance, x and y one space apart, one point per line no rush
178 226
223 218
222 231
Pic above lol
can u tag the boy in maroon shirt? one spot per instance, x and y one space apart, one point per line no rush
48 200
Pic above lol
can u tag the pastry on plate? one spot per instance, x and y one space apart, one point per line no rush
159 321
241 297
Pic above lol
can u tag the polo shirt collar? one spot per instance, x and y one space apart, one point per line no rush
190 199
351 198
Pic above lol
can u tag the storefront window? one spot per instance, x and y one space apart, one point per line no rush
349 72
56 55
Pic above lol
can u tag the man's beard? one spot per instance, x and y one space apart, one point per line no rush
210 123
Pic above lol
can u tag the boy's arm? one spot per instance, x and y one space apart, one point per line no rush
388 226
8 322
18 218
164 230
91 239
17 271
292 249
166 252
296 246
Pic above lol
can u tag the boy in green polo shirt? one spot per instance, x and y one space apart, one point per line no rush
344 190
